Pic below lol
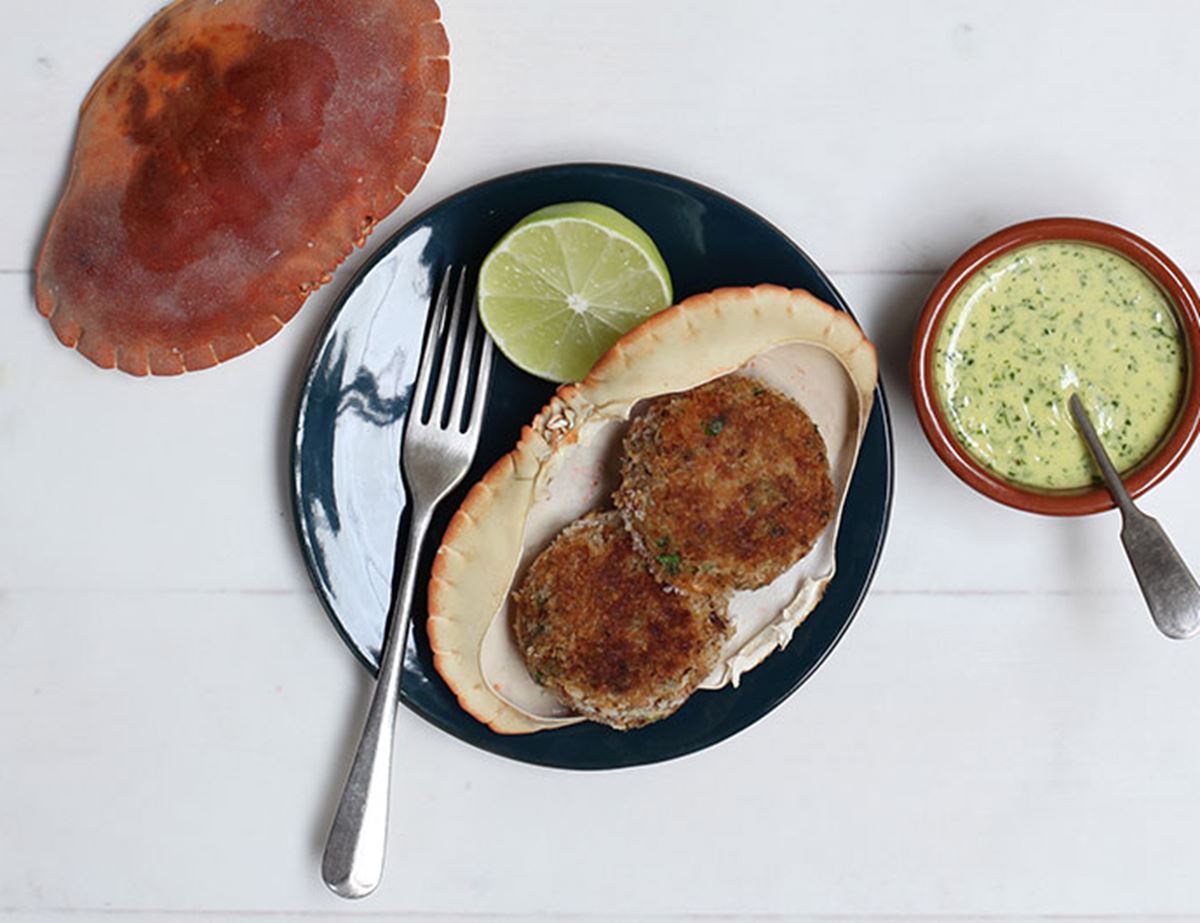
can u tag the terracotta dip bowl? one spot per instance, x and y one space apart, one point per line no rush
1058 502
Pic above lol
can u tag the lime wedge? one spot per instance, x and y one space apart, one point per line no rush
564 284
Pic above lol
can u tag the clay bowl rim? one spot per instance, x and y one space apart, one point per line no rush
1086 500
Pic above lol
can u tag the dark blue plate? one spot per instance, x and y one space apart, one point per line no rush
349 499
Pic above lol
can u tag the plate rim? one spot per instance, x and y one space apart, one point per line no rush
321 337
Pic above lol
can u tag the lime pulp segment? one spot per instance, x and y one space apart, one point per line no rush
565 284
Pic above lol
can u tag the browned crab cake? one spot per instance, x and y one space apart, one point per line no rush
724 487
598 631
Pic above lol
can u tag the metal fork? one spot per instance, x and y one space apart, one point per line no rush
439 444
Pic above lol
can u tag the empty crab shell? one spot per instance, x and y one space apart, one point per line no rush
228 159
566 464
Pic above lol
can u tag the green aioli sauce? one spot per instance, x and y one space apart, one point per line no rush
1039 324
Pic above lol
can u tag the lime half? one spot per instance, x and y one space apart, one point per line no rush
564 284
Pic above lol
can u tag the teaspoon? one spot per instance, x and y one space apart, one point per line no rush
1167 584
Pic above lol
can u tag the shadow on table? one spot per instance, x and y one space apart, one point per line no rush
900 307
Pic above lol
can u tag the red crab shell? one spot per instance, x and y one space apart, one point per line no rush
226 162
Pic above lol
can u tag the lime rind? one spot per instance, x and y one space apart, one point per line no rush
565 283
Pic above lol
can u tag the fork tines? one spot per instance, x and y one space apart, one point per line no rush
464 370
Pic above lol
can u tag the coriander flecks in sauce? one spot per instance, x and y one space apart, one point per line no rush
1035 326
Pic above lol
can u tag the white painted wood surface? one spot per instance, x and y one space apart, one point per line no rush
1000 735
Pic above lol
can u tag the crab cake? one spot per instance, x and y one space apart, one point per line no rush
724 487
600 633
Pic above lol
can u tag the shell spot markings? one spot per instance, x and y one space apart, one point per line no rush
217 145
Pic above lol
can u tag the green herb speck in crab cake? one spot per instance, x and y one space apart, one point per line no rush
725 486
597 630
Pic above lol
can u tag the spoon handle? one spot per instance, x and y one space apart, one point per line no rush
1168 586
1111 479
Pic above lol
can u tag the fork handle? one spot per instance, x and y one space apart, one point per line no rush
353 862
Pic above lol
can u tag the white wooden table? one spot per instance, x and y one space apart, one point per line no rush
1000 734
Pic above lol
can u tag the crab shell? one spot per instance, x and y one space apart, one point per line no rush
565 464
227 160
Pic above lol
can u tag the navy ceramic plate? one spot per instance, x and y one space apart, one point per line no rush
349 498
